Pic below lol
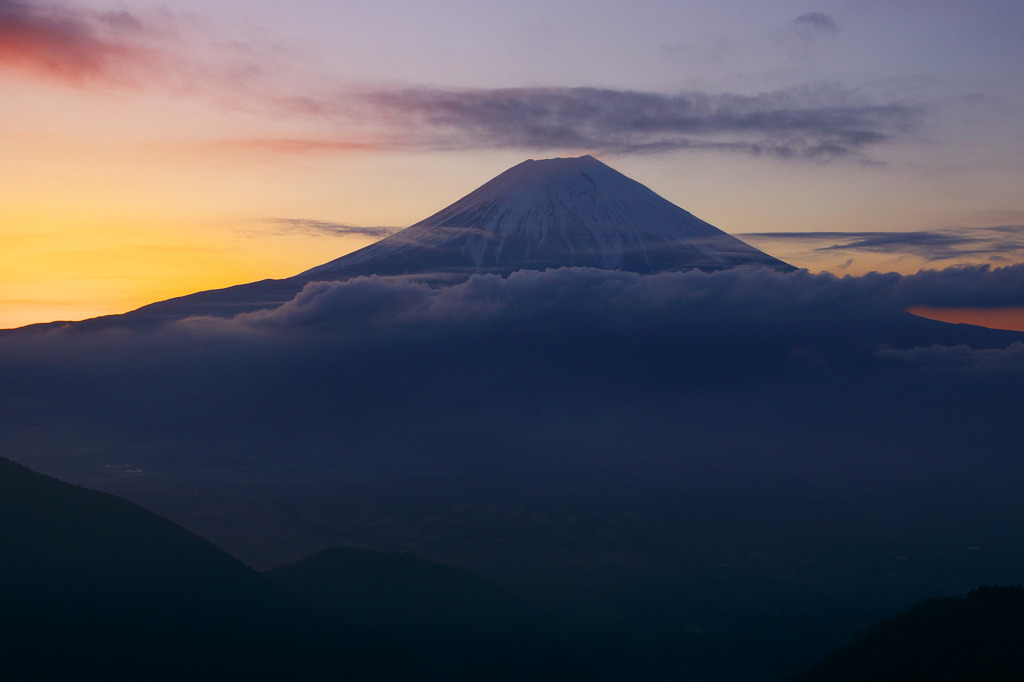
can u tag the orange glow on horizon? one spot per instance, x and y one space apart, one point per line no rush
1011 319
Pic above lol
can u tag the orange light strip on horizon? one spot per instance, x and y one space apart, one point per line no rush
1011 319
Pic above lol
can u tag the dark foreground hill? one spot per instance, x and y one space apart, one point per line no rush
465 625
980 637
94 587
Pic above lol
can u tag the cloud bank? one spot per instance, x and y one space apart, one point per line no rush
730 323
629 299
570 372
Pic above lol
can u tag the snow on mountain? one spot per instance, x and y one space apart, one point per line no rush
553 213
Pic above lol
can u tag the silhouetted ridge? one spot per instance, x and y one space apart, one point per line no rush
980 637
96 588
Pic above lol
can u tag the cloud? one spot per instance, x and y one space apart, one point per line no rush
802 37
1004 242
823 123
290 226
820 123
573 370
328 144
71 46
772 310
128 50
815 123
974 286
816 22
960 357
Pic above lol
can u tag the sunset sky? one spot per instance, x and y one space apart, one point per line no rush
158 148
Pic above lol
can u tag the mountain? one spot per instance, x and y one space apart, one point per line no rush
552 213
94 587
467 626
973 638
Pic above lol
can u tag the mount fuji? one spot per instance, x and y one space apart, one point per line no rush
574 212
538 215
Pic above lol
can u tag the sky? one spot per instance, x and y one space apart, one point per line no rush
155 149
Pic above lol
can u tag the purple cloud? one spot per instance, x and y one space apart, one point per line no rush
814 123
71 46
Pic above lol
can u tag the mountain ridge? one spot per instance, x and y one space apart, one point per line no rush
93 586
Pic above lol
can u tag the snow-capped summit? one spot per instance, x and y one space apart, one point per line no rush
547 214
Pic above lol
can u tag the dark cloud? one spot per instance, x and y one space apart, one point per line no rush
969 286
735 380
1005 242
816 21
628 298
817 123
286 226
721 322
960 357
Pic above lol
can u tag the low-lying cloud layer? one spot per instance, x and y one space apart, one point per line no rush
730 378
730 323
629 299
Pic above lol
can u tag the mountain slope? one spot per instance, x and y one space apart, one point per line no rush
94 587
553 213
974 638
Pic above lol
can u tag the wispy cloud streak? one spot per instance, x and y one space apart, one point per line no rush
307 226
814 123
80 47
1001 243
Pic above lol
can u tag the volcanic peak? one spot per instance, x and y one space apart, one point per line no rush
561 212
